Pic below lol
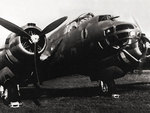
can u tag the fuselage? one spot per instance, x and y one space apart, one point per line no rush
92 46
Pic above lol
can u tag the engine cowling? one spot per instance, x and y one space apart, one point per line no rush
21 48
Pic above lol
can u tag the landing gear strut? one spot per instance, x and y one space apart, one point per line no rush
108 88
11 95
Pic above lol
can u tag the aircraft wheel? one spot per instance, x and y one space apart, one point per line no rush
107 88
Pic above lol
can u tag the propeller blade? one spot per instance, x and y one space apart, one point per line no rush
136 23
53 25
36 63
14 28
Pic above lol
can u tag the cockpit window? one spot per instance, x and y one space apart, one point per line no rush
104 17
124 26
107 17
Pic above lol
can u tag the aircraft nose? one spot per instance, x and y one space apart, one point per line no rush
126 36
120 35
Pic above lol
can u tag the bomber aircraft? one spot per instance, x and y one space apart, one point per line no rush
101 47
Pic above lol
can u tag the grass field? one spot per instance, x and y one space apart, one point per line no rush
76 94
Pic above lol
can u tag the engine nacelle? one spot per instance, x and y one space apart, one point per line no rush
21 48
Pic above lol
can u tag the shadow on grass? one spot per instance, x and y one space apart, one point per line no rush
29 93
140 86
32 93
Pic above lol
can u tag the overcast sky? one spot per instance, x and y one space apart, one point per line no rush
43 12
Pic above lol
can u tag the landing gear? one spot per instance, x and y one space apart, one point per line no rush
107 88
11 95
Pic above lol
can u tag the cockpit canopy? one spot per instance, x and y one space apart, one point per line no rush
85 16
81 19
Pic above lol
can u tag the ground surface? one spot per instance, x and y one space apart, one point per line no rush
76 94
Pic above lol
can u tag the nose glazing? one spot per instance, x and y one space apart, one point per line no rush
120 35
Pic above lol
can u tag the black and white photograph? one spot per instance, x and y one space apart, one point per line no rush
74 56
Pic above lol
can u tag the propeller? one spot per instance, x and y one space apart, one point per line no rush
144 40
142 59
19 31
